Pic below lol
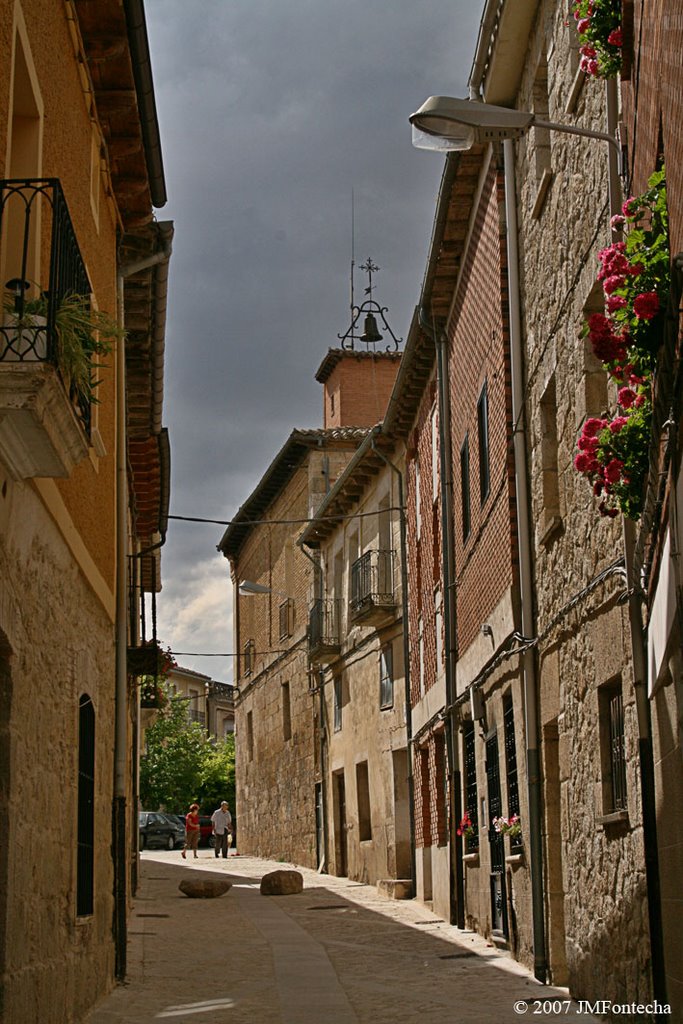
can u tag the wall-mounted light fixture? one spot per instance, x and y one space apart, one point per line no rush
447 124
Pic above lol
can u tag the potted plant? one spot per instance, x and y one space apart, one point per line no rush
152 694
511 826
82 335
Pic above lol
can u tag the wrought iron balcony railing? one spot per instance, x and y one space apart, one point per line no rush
324 629
372 585
34 219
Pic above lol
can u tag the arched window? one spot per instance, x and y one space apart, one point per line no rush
86 807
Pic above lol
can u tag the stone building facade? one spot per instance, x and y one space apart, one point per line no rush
652 91
68 713
276 712
596 937
358 670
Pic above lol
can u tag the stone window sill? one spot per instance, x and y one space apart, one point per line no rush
515 860
551 527
542 193
615 818
471 860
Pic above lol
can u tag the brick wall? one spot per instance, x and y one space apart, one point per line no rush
357 391
478 356
652 102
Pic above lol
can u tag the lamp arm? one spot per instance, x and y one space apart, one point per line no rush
571 130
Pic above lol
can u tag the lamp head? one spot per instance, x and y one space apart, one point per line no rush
446 124
247 587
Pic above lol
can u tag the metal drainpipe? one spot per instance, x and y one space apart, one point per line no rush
457 886
119 810
406 658
530 683
640 680
323 730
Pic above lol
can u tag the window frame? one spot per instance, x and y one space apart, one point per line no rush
386 677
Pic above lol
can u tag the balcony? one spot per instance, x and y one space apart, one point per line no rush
44 413
324 631
373 601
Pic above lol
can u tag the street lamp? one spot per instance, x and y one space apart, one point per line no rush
447 124
247 588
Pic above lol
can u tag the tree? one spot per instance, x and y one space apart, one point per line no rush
182 765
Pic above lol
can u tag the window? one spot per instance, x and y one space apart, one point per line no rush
337 699
421 653
612 747
250 735
435 455
286 713
470 765
249 657
438 628
363 792
539 139
418 510
549 460
465 486
86 807
386 677
286 618
483 430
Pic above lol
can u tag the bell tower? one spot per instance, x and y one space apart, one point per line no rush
357 377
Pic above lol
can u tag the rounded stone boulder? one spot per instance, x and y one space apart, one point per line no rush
282 882
204 889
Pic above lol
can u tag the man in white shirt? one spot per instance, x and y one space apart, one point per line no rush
221 819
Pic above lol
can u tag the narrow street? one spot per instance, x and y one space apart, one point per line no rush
338 953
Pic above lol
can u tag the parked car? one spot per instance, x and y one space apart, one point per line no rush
206 836
160 830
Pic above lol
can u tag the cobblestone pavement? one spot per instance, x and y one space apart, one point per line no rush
337 953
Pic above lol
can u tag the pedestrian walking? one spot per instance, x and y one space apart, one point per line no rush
191 830
221 819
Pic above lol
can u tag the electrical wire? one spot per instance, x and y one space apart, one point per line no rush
282 522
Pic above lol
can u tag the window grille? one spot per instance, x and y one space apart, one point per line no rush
86 808
470 763
617 751
511 762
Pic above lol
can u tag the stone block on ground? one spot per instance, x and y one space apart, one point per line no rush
204 889
396 888
282 882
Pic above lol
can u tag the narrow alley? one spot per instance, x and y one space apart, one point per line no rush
338 952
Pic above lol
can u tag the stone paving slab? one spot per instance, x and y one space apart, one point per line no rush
337 953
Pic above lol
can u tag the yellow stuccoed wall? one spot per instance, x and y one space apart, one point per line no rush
57 581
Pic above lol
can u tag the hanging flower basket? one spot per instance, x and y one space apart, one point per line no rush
149 659
152 694
601 36
635 273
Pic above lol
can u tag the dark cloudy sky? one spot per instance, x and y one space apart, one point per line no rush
271 113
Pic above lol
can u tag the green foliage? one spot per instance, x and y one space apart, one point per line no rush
600 35
83 336
181 765
635 274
